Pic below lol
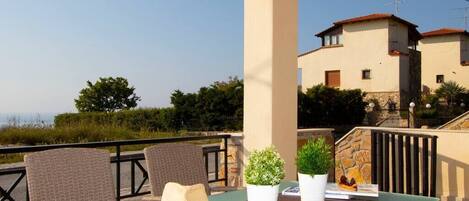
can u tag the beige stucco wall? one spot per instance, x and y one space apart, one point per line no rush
441 55
399 35
365 46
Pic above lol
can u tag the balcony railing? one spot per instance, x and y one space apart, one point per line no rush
118 160
400 162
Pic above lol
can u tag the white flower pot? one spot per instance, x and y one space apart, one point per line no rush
312 188
264 193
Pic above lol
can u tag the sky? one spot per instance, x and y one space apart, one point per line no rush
50 48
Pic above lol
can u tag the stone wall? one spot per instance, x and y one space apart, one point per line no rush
381 112
459 123
383 98
235 160
353 156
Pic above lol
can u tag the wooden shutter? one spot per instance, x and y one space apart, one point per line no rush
333 78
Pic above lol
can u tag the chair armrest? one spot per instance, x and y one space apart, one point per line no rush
224 188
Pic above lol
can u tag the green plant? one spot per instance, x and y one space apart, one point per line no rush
265 167
323 105
426 113
149 119
450 91
107 95
314 157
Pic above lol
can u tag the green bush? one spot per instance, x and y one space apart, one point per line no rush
314 157
265 167
216 107
155 119
322 105
426 113
450 91
220 107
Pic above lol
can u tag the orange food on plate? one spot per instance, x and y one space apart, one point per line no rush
347 185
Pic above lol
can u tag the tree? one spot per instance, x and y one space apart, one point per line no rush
450 91
216 107
322 105
107 95
185 112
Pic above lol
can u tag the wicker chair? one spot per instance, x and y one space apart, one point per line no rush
70 174
181 163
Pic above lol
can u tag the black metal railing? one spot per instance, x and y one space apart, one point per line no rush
400 162
118 159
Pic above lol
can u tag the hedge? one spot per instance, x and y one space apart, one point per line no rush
323 106
153 119
220 107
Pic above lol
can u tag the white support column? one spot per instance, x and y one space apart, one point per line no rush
270 78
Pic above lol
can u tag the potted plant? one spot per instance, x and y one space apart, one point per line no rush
263 174
314 160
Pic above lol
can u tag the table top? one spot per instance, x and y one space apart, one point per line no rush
383 196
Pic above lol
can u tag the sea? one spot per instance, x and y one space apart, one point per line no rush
19 119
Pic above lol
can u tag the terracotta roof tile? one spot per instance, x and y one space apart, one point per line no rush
444 31
376 16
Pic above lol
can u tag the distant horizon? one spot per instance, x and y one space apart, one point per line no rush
26 118
50 49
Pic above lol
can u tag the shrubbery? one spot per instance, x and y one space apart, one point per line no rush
217 107
425 113
449 100
220 107
156 119
322 105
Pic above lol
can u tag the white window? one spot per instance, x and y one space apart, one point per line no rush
327 40
340 39
334 40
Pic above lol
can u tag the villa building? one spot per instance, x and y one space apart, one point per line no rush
445 57
375 53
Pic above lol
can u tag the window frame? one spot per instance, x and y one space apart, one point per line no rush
364 71
327 40
340 38
327 81
440 78
334 40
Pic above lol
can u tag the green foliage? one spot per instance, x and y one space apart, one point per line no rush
220 107
217 107
322 105
155 119
107 95
463 98
431 99
73 134
426 113
450 91
265 167
314 157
